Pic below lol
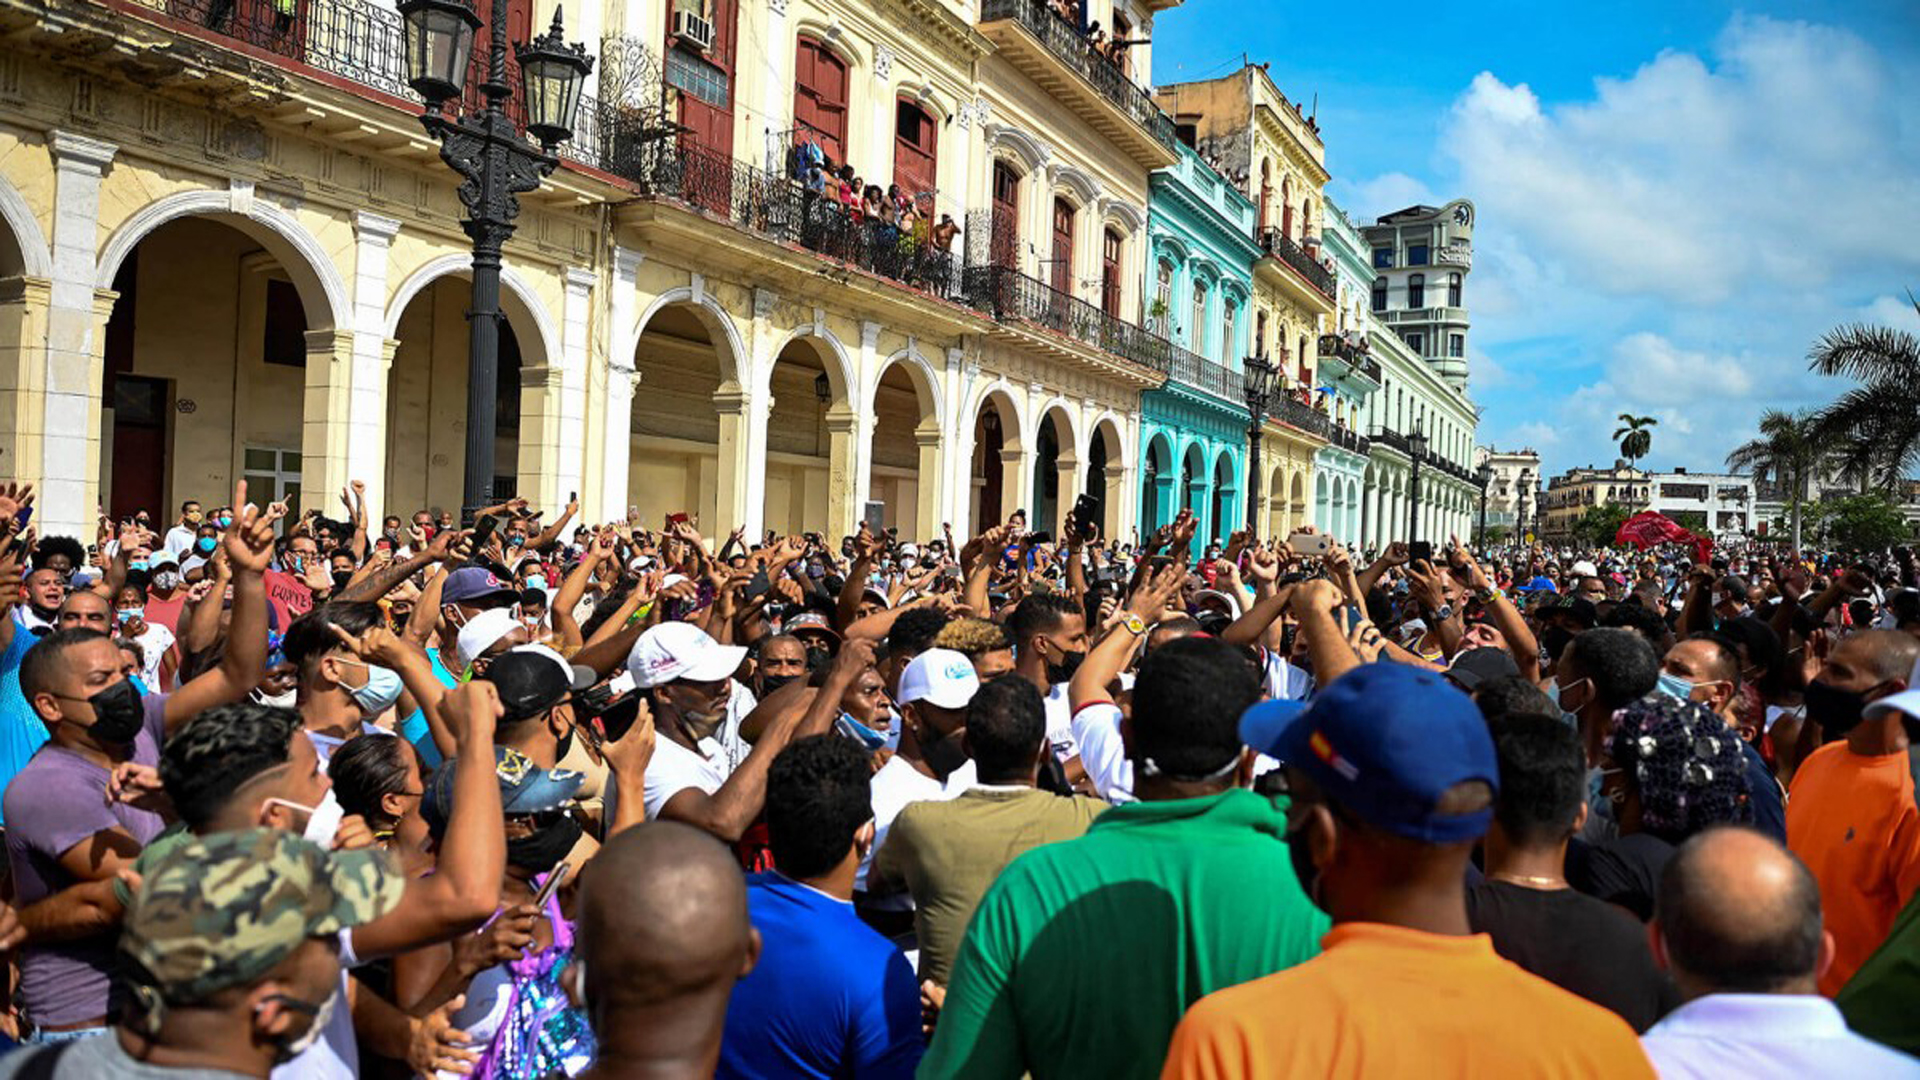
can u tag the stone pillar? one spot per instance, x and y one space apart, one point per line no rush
372 361
576 349
862 395
1014 487
325 432
608 453
68 467
616 440
23 343
740 479
845 498
930 489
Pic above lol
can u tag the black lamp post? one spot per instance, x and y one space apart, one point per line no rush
1485 474
1259 390
497 163
1523 495
1416 449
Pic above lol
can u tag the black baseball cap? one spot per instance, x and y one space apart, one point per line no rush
531 679
1476 666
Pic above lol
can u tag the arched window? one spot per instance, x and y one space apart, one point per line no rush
1005 246
1266 192
1110 273
1197 329
1416 290
916 141
820 97
1286 207
1163 296
1228 309
1380 294
1453 289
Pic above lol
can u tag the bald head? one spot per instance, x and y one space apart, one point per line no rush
1738 913
663 919
1887 654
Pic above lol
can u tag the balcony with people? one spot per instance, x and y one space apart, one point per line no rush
1306 279
1086 67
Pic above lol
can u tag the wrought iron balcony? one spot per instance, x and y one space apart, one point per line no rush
1348 439
1071 48
1354 354
1004 294
1388 437
782 209
1291 410
1196 371
1280 246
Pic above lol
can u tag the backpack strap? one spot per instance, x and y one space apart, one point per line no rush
43 1062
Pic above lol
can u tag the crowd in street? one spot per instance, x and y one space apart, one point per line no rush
322 797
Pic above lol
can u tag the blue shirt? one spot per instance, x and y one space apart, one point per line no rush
21 730
415 729
859 1014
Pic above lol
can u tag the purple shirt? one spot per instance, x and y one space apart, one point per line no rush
56 802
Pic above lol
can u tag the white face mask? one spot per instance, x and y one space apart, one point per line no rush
323 821
283 700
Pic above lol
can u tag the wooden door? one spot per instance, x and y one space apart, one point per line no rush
1110 274
141 405
1063 246
820 98
915 149
1005 248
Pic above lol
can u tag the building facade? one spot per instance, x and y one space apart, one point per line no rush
1513 479
1569 495
1420 258
231 252
1200 280
1721 505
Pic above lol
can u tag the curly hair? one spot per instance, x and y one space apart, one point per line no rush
973 637
205 764
1686 764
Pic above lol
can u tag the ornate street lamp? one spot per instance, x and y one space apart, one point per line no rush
1485 474
1259 390
1416 449
1524 496
496 163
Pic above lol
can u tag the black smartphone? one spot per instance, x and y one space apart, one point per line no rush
758 585
483 529
1086 511
1420 551
1040 538
20 519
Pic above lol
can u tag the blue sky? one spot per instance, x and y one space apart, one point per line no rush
1674 199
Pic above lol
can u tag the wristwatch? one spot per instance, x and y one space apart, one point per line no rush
1134 624
1485 594
1443 613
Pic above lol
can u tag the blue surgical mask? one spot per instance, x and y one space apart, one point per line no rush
382 689
868 738
205 545
139 685
136 564
127 614
1674 686
537 581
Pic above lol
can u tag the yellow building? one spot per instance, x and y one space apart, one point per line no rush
231 251
1251 133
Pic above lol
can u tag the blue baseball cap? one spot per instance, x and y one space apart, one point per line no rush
1385 741
525 788
1538 584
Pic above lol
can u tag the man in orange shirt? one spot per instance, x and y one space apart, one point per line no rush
1851 813
1393 776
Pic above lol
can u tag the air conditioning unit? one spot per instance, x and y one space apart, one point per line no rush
692 30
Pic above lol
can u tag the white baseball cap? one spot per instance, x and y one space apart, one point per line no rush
941 676
481 632
681 650
1583 568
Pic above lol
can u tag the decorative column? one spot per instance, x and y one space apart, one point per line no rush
24 303
864 392
326 436
576 346
372 361
611 440
68 465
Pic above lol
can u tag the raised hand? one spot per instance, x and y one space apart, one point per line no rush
450 544
375 645
14 497
248 544
472 710
1397 554
1366 641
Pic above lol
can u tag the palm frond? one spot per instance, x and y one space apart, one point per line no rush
1866 352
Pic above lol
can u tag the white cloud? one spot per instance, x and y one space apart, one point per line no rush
1386 193
1652 371
1897 312
1783 162
1535 434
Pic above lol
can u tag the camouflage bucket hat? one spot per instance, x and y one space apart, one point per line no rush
224 909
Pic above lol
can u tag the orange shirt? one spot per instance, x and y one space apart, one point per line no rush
1388 1001
1851 818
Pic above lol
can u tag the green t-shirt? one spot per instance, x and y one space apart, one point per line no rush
1084 955
1882 1000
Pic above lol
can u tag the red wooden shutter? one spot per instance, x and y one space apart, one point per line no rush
915 149
820 98
1110 274
1063 246
1006 214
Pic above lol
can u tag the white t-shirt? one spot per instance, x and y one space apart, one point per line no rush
1060 723
674 769
180 538
153 649
891 789
1096 727
1286 682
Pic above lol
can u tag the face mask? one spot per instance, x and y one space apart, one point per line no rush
542 849
514 540
1556 639
381 690
1674 686
205 545
301 1043
537 581
223 521
391 534
166 579
194 517
117 714
943 752
869 739
282 701
323 821
126 615
340 579
1837 711
770 683
1062 670
136 564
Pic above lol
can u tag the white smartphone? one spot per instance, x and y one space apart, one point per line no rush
1310 543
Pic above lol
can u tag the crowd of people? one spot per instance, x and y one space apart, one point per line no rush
303 796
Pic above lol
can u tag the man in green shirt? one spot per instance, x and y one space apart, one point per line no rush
1084 954
946 852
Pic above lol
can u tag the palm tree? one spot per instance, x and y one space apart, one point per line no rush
1635 438
1786 450
1876 425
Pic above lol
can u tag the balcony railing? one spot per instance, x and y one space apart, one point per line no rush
1004 293
1065 41
1280 246
1355 354
1290 410
1348 439
1200 373
782 209
1389 437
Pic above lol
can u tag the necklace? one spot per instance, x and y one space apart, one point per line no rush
1532 881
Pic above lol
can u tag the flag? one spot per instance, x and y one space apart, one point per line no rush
1649 527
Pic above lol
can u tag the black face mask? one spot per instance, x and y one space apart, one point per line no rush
1837 711
1062 671
943 752
542 849
117 714
340 579
1556 639
770 683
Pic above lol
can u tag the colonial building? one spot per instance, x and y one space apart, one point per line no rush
1200 270
1251 133
1718 504
231 251
1421 256
1569 495
1514 476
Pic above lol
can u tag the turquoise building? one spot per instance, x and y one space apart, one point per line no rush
1199 289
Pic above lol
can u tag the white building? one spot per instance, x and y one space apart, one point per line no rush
1511 487
1722 503
1420 258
